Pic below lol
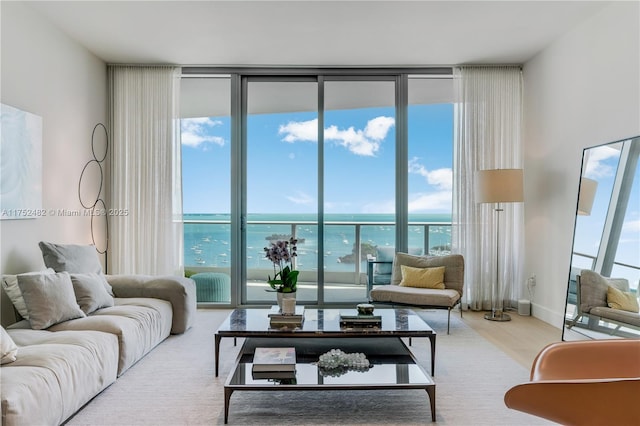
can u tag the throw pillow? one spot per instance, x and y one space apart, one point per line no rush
49 298
422 277
593 289
91 292
10 286
72 258
8 348
625 301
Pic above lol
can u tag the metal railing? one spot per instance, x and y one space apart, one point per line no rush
354 229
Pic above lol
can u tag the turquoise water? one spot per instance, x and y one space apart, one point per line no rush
209 244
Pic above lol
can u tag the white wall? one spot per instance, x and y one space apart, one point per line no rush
582 90
46 73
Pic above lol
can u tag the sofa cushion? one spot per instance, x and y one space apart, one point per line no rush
632 318
49 298
138 323
55 375
11 288
79 259
8 348
422 277
91 291
415 296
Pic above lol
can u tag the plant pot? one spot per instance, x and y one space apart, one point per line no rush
281 296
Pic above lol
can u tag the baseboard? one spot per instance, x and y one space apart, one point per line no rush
547 315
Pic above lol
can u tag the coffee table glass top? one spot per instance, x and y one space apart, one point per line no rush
324 321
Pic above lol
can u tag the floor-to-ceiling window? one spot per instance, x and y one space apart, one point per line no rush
347 162
205 129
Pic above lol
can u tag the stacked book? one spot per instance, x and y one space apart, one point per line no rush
280 320
274 363
360 320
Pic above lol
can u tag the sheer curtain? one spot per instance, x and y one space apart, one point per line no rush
146 187
487 135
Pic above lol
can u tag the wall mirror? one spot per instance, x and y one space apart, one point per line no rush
606 241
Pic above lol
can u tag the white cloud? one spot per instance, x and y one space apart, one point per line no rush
300 131
595 167
382 206
440 200
364 142
195 132
442 179
378 127
301 198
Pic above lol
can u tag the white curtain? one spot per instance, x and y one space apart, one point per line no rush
146 184
488 135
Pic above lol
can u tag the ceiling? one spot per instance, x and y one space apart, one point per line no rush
316 33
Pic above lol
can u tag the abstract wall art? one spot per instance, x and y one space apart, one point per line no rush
20 164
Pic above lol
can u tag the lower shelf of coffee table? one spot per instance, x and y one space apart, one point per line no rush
392 367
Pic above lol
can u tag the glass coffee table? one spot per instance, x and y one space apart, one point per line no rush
393 366
325 323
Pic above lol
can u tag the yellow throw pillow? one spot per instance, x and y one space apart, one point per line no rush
422 277
618 299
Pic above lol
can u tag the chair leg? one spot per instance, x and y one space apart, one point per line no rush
448 319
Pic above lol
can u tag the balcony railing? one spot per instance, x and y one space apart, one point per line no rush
207 245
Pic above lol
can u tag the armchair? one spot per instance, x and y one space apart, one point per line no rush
446 298
593 382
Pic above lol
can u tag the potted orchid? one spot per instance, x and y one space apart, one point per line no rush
281 254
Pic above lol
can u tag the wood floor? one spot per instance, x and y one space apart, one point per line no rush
521 338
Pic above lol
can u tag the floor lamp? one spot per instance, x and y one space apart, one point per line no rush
498 186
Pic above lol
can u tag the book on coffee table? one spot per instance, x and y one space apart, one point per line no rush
275 312
360 320
274 359
273 375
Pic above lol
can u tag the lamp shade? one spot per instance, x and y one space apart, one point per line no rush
499 186
586 196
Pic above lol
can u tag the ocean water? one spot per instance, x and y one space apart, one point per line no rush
208 240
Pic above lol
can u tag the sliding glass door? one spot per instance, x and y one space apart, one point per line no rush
281 181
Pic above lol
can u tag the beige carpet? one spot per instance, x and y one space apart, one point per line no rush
175 385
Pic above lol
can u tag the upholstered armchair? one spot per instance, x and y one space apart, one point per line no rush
445 296
596 300
591 382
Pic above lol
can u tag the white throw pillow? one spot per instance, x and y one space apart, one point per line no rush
8 348
10 286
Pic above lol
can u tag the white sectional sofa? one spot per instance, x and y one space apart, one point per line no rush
51 371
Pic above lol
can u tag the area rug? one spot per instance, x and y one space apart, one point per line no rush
175 385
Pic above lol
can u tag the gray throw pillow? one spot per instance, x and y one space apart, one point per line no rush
91 292
49 298
75 259
10 286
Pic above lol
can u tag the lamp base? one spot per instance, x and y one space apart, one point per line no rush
497 315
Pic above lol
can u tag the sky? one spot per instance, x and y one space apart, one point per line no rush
359 152
359 156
